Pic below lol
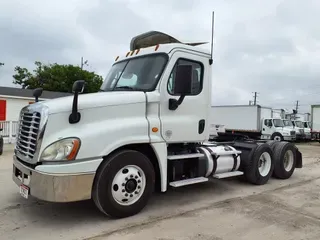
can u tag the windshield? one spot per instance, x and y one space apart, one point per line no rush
137 74
288 123
306 125
298 124
278 123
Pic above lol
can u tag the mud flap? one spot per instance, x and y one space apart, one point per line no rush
298 159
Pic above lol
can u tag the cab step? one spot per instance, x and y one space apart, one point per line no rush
185 156
227 174
189 181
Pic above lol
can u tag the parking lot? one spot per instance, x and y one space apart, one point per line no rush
228 209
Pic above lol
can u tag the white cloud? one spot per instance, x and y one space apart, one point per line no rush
272 47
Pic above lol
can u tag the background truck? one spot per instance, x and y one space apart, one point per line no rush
118 145
253 121
315 122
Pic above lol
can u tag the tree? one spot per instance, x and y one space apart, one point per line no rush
56 77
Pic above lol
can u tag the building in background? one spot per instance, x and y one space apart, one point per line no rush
12 100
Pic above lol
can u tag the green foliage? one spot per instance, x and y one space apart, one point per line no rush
56 77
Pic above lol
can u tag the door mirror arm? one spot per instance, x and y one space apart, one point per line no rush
174 103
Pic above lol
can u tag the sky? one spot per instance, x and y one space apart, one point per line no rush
268 46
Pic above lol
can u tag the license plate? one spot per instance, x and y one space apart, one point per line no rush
24 191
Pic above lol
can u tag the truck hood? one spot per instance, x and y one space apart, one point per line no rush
94 100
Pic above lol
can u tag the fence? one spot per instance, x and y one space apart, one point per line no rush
9 131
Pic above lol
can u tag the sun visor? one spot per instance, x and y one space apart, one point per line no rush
153 38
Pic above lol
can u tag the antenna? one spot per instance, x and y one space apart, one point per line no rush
212 33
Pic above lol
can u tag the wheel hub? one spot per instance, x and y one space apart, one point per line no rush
128 185
131 185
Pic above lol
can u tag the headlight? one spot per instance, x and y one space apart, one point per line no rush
64 149
286 133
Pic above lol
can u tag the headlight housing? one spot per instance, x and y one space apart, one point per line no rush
64 149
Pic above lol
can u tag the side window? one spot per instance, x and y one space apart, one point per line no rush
197 76
267 122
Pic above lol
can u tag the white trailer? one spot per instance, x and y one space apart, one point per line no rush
253 121
315 122
117 145
278 113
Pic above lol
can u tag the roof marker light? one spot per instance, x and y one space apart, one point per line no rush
116 58
128 54
137 51
156 48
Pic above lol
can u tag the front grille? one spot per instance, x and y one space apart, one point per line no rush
28 131
292 133
301 131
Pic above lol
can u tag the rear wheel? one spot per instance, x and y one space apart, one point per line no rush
260 165
123 184
285 160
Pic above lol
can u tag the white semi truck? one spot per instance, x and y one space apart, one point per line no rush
146 130
253 121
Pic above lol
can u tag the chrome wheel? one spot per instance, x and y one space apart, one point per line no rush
288 160
128 185
277 138
264 164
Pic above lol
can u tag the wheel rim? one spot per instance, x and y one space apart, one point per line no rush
264 164
288 160
128 185
277 138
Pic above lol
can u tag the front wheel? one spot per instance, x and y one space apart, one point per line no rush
123 184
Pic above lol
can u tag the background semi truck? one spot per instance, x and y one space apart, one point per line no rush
253 121
119 145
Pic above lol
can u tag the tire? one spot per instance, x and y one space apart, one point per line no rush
277 137
272 144
285 160
113 184
263 154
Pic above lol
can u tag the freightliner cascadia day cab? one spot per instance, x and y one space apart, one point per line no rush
253 121
118 145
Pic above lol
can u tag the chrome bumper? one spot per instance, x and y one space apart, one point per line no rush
53 187
289 138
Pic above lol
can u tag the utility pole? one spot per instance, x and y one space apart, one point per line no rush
255 98
83 63
297 106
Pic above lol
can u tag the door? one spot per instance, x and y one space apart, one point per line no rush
3 110
189 122
267 127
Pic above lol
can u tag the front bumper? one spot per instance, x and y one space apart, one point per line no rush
308 136
53 187
289 138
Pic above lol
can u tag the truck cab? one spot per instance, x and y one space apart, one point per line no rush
275 129
307 129
298 127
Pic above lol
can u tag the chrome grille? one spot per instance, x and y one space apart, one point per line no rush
29 124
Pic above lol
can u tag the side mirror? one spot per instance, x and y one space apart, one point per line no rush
78 86
37 93
1 129
183 80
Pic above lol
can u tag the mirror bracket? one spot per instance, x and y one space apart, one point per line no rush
174 103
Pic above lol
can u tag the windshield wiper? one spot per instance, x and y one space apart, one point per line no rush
125 87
